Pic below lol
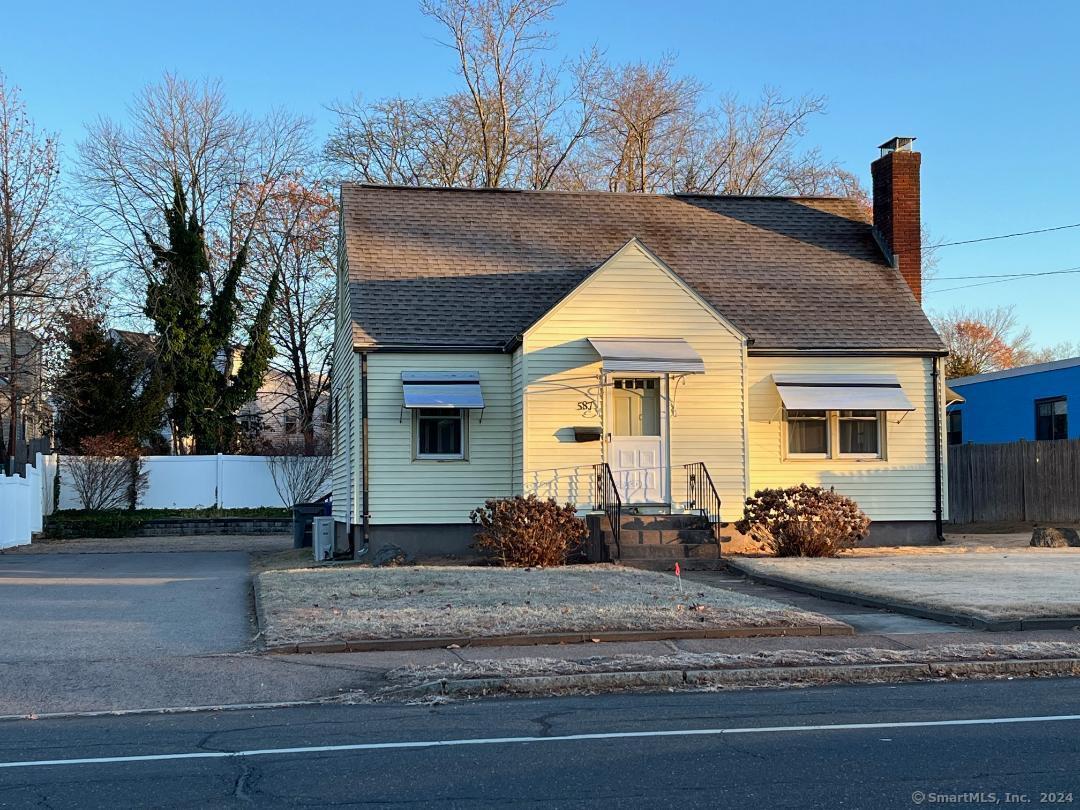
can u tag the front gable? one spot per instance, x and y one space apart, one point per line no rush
630 274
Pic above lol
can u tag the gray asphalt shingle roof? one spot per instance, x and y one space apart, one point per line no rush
474 268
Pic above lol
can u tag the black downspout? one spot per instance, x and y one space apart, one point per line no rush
364 471
938 511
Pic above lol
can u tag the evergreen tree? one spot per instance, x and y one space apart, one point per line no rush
97 389
196 379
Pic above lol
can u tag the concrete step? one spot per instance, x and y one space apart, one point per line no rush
692 564
669 551
663 522
664 536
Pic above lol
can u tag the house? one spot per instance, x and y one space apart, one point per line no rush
1028 403
35 414
631 352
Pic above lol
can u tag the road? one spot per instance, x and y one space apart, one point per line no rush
762 749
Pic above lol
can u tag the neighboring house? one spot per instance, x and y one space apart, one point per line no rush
274 415
1027 403
495 342
35 413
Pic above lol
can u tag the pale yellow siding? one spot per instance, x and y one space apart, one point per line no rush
404 490
632 295
345 403
899 487
517 371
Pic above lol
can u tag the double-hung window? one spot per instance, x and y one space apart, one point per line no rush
441 433
854 434
860 434
808 434
1051 419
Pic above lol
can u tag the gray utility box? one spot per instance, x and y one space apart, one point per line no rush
322 538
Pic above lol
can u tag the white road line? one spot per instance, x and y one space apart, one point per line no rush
611 735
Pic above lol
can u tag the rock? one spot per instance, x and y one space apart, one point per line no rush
390 555
1049 537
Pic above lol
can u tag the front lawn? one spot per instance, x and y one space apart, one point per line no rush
457 601
1019 584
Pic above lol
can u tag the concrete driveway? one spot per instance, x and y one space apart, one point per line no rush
127 605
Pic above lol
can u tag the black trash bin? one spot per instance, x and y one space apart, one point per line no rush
303 514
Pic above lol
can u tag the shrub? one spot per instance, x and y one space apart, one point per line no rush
526 531
301 472
803 521
108 474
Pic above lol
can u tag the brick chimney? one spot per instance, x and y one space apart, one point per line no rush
896 208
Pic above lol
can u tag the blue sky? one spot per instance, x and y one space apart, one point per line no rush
990 89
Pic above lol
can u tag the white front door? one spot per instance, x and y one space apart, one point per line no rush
636 426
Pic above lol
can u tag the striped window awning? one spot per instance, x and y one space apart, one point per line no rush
442 389
842 392
655 355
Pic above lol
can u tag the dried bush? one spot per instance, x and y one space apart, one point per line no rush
300 472
526 531
803 521
109 473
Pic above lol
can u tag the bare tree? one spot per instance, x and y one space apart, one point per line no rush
184 129
32 272
516 122
300 475
648 117
108 473
295 240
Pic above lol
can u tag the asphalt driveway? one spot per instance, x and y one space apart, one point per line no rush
128 605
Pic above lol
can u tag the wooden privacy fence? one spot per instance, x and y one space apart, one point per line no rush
1021 481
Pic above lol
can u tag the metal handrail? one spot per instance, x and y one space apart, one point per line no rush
701 494
608 501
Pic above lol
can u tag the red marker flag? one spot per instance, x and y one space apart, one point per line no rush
678 571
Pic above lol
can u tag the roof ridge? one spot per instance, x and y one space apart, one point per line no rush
593 192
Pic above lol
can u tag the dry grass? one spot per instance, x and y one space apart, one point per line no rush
526 667
421 601
1028 584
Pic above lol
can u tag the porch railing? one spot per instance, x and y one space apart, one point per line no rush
701 495
608 500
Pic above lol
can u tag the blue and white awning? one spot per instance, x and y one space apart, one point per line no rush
842 392
442 389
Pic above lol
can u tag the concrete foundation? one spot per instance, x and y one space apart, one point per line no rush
421 540
901 533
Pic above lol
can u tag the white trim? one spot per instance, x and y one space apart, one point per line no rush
1019 371
833 453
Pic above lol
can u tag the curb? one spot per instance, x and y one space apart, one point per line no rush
763 676
534 639
943 616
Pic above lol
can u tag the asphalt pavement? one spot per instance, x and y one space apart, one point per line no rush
60 607
968 744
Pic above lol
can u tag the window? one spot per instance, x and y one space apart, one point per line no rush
1051 419
636 403
955 427
440 433
859 433
835 434
291 421
808 433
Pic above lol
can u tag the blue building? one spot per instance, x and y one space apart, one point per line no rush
1029 402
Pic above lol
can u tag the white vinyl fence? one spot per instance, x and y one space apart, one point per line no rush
25 501
194 482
